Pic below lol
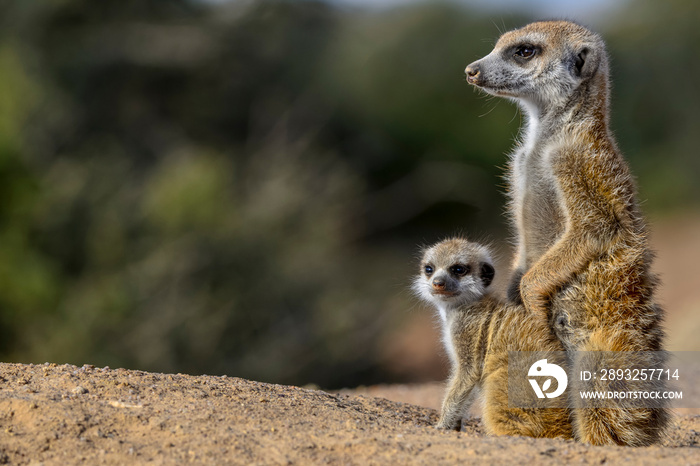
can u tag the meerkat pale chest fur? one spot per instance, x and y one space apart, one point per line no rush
478 331
582 258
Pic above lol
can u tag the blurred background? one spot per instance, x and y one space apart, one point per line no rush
241 187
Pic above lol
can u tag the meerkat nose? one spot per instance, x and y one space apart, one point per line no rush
439 284
473 71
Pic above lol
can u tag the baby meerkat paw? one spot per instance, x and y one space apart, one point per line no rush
449 425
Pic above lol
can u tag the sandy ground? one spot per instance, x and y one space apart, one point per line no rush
65 414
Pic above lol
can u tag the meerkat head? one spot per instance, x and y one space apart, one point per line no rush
542 64
454 272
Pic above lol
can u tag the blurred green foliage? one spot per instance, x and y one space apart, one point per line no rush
240 188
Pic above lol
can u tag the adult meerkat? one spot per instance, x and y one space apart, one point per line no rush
582 258
478 332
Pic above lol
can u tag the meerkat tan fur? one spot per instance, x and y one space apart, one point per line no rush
583 259
478 332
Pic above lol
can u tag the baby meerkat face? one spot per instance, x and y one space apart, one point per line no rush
542 63
454 272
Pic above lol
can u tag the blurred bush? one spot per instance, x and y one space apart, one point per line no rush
240 188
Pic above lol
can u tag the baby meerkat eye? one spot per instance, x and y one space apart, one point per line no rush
460 270
526 51
428 270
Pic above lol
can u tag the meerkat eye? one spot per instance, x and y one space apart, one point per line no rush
428 270
526 51
460 269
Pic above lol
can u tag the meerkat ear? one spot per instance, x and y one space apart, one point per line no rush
585 62
580 60
487 272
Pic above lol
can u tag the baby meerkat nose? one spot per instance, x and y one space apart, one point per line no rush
473 71
439 284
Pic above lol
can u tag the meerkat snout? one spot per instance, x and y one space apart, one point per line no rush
472 71
446 280
439 284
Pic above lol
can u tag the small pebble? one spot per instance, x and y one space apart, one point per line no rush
79 390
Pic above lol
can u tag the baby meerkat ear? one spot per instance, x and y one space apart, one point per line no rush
486 272
585 62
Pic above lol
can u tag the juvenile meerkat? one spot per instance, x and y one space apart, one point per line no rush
478 332
583 258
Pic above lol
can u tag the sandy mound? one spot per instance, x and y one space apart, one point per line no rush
57 414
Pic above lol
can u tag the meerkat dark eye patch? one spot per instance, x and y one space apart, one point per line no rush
428 269
460 270
487 273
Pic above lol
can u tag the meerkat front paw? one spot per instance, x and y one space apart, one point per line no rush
449 424
533 297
